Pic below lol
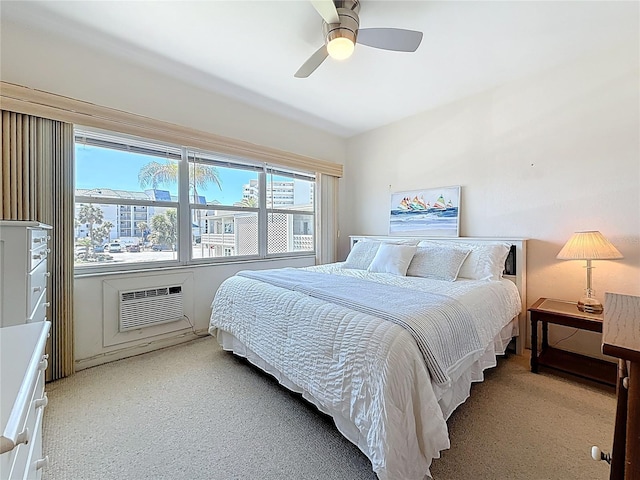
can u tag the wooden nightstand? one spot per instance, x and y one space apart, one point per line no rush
564 313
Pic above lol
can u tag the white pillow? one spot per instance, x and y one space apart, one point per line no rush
485 262
392 258
440 262
363 251
361 255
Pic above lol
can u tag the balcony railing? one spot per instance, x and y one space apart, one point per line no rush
225 239
302 242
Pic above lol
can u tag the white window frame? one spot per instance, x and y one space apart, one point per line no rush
184 205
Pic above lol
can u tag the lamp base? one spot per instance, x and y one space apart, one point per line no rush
590 305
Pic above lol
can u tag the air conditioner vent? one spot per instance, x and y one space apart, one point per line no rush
149 307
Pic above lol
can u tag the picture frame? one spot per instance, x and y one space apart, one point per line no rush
429 212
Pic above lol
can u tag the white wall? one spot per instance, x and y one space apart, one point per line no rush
539 158
46 62
38 60
89 340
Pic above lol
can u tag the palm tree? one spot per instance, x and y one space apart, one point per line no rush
251 202
155 173
144 230
102 232
91 216
164 228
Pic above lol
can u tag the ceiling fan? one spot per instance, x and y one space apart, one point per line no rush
341 31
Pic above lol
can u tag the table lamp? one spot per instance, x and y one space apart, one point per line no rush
589 246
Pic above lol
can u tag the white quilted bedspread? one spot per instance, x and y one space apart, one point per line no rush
367 373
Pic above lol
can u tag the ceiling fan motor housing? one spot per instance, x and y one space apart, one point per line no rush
349 22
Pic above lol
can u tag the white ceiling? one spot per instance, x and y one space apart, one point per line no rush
251 49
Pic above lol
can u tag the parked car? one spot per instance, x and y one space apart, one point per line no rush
160 247
98 248
133 248
80 251
113 248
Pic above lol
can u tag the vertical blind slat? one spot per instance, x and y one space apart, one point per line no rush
17 174
33 178
13 203
36 183
5 154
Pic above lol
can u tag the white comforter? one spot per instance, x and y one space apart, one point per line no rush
367 373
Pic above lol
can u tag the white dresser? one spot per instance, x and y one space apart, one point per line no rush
23 272
22 400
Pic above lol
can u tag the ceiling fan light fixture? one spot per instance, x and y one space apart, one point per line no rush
341 31
340 48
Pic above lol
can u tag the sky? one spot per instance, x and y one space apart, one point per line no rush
104 168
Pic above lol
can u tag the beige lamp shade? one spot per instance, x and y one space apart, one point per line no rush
588 246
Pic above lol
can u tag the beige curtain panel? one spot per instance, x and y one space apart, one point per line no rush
36 183
327 219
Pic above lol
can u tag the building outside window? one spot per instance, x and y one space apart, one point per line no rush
128 193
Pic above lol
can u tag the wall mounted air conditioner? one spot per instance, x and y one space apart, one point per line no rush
150 307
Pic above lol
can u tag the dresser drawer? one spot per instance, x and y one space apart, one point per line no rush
27 454
35 461
38 238
39 313
22 366
36 283
16 463
38 255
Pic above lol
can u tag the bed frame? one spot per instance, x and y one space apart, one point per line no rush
515 268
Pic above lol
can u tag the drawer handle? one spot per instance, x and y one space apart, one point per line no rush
42 463
47 274
46 304
43 402
37 257
37 240
44 363
23 437
36 289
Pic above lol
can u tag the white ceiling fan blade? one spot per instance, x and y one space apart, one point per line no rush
327 10
312 63
396 39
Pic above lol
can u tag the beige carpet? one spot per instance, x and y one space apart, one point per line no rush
196 412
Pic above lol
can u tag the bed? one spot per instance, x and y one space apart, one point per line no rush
389 342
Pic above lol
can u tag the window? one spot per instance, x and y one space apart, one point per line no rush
225 211
290 212
126 200
144 201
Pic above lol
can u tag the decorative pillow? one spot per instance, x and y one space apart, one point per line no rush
361 255
440 262
485 262
391 258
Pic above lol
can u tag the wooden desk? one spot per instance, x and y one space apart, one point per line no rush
621 338
561 312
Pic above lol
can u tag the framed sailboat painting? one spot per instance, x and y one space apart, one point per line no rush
432 212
